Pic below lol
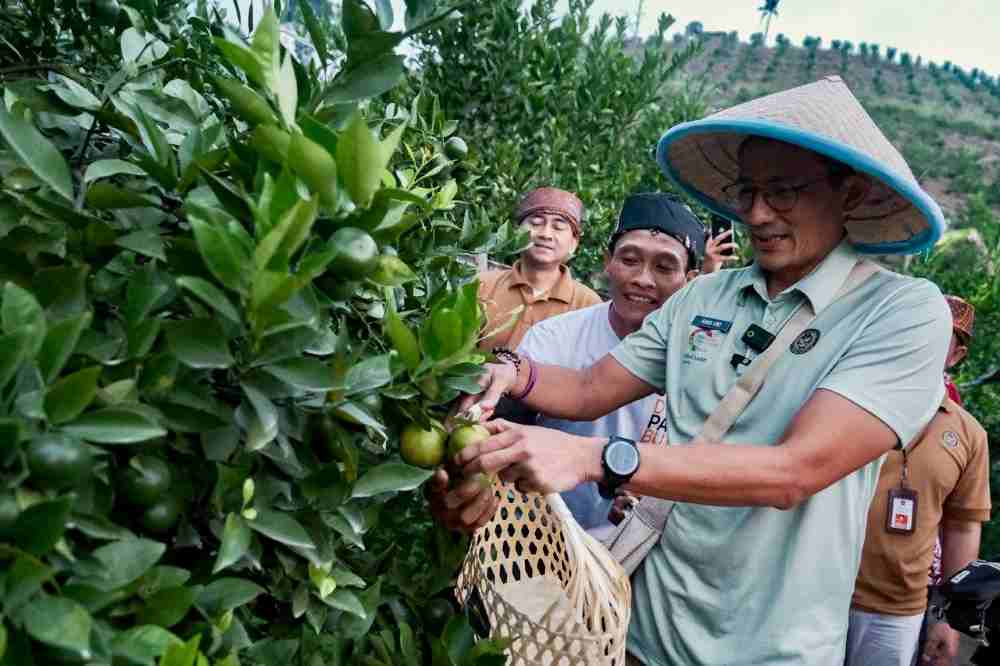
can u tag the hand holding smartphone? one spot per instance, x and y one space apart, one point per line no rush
720 246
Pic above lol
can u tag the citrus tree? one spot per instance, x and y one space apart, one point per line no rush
974 246
560 99
228 282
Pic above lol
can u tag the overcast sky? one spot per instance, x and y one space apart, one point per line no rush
967 32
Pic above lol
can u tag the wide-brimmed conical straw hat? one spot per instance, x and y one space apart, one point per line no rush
897 217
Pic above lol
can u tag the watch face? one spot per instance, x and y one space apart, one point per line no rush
622 457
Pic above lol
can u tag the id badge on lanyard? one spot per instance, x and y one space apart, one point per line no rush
901 512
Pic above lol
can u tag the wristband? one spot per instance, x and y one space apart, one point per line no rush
532 377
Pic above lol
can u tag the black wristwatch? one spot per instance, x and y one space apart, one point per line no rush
620 460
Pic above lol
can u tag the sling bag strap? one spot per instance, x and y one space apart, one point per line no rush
638 532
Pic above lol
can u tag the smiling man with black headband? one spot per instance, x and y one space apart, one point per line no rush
656 247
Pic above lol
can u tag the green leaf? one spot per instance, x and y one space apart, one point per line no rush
37 153
143 644
227 593
359 156
107 168
141 47
372 373
147 287
61 290
22 311
13 351
142 335
225 254
235 542
210 295
108 196
238 55
264 427
146 242
24 578
392 272
156 143
67 398
264 46
182 655
59 622
458 637
347 601
167 607
287 91
60 341
348 578
199 343
316 33
306 373
114 425
122 562
282 528
275 251
390 477
40 526
370 79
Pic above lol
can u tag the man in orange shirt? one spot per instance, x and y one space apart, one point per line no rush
539 282
939 484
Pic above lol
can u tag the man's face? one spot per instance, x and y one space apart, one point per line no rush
552 238
793 242
644 271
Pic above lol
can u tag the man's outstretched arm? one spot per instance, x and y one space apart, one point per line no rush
578 395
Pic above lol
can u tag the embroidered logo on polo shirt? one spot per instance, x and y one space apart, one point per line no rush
805 342
949 439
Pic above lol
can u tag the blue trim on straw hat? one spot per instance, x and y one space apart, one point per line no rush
820 144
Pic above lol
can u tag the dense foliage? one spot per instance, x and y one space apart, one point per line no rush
558 99
233 270
227 282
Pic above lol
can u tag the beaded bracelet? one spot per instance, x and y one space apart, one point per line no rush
505 355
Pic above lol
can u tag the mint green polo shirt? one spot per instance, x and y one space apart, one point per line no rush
759 585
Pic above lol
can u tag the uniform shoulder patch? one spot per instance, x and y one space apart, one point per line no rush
949 439
806 341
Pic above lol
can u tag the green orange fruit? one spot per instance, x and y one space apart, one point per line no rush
423 448
145 480
58 461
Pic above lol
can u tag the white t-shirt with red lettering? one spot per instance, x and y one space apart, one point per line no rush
576 340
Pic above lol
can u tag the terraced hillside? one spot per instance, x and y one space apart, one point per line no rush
945 119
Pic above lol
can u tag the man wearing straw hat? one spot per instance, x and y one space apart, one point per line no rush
758 561
947 469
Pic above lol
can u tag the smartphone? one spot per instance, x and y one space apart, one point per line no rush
720 225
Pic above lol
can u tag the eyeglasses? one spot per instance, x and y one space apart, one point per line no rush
781 198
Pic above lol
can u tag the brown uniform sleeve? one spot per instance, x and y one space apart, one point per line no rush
970 499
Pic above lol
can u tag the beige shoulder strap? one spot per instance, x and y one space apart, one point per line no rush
743 391
654 511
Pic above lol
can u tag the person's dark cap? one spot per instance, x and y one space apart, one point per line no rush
664 213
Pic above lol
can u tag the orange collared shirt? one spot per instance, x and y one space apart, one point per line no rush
949 469
503 292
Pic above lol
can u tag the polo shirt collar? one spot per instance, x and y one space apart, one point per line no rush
948 405
561 291
820 286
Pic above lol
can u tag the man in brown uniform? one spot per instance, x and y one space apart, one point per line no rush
940 484
539 281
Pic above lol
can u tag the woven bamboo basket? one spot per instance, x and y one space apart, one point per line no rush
547 585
